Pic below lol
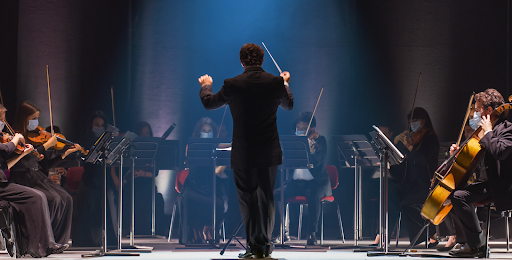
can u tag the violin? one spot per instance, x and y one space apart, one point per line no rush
41 136
410 138
312 139
20 146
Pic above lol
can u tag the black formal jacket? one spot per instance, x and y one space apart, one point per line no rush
253 98
498 160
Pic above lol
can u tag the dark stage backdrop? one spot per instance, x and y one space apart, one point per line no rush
366 54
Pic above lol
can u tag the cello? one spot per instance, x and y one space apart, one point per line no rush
455 171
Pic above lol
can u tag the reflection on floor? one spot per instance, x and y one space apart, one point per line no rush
332 249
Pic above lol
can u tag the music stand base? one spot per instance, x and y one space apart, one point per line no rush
99 253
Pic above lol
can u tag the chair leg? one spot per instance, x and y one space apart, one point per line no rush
487 233
398 228
508 231
301 210
223 233
172 221
321 223
340 222
13 237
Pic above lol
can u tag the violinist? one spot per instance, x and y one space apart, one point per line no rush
496 140
312 183
410 182
34 234
29 172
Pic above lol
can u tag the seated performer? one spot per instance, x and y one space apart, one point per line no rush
497 143
197 200
410 182
314 183
34 233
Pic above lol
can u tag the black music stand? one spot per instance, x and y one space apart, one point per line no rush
389 155
142 151
206 152
354 151
295 156
99 152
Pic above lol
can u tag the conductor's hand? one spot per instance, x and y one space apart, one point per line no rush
286 76
205 80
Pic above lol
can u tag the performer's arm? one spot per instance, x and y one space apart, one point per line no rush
498 143
211 101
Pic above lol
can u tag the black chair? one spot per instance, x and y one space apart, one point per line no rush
7 226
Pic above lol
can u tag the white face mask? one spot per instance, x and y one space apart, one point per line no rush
2 124
475 121
206 135
32 124
97 131
415 126
300 133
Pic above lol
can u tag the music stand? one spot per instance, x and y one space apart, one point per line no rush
389 155
99 153
142 151
354 151
295 151
206 152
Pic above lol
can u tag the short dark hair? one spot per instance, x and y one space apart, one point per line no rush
490 98
251 55
305 116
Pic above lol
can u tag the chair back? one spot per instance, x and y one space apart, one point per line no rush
333 175
73 176
181 176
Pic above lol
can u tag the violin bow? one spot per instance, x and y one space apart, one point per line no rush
311 119
468 110
279 69
414 101
49 100
222 121
113 111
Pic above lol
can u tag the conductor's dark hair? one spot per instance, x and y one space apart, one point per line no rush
305 116
490 98
421 113
251 55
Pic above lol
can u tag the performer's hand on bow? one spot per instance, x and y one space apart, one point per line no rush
286 76
205 80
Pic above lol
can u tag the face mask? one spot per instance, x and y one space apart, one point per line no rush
300 133
32 124
415 126
97 131
2 124
475 121
206 135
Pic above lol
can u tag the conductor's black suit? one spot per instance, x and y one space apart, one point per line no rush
253 98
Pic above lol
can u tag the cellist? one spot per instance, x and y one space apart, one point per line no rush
497 143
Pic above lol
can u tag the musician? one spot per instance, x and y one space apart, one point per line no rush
28 172
410 182
197 195
34 233
312 183
497 142
88 207
253 98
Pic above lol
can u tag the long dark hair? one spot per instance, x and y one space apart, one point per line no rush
205 121
96 114
25 110
421 113
140 125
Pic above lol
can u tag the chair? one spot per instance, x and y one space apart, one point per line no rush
333 176
181 176
7 223
507 214
487 204
73 176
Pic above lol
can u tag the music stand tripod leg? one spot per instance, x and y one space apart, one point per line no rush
231 238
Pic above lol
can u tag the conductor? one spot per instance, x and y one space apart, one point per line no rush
253 98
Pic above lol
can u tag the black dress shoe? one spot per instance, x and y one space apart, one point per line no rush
446 248
59 248
253 255
312 239
470 252
432 245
